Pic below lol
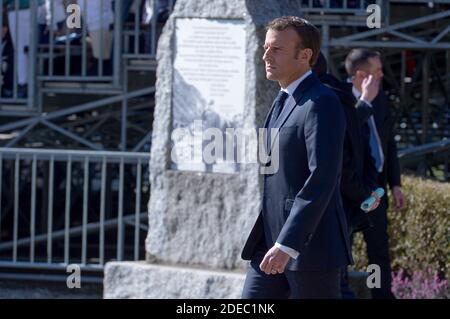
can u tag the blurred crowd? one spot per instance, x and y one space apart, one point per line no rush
351 4
97 15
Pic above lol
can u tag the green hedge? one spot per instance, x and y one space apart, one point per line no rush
420 234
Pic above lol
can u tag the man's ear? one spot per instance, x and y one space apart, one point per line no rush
306 55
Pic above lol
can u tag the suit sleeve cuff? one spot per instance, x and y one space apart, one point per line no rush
291 252
368 103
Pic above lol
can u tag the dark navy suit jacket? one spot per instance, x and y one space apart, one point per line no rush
302 206
391 174
359 174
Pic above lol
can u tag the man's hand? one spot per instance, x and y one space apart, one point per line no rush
370 88
274 261
399 198
377 201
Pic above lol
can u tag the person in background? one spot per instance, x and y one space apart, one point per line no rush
158 10
55 15
126 7
99 19
6 58
19 26
359 64
359 175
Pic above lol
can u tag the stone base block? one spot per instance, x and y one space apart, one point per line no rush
140 280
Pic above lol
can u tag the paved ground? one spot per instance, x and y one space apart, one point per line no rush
10 289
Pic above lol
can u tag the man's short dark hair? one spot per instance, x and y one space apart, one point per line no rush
309 35
321 65
358 58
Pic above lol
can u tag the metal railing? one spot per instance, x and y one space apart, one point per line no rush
423 158
339 6
17 81
143 27
60 207
421 150
49 47
78 61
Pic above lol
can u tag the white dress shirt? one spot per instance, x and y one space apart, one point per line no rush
289 101
357 95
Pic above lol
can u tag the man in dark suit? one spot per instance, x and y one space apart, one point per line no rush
359 174
359 64
299 242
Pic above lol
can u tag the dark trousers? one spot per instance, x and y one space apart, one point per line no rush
290 284
377 241
346 292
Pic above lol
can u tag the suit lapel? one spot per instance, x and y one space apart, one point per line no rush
266 127
266 121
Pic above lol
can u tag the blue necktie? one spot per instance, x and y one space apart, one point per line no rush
277 108
376 151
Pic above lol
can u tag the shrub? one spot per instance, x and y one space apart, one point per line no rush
419 235
421 285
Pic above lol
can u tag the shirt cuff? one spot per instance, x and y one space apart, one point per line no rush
291 252
368 103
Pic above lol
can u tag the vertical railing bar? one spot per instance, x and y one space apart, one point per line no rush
126 44
1 172
33 208
100 60
403 73
16 52
51 39
136 31
67 210
120 214
153 31
67 57
102 214
85 210
1 24
117 41
345 4
425 98
32 50
138 210
1 81
447 67
16 207
50 210
123 125
84 42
